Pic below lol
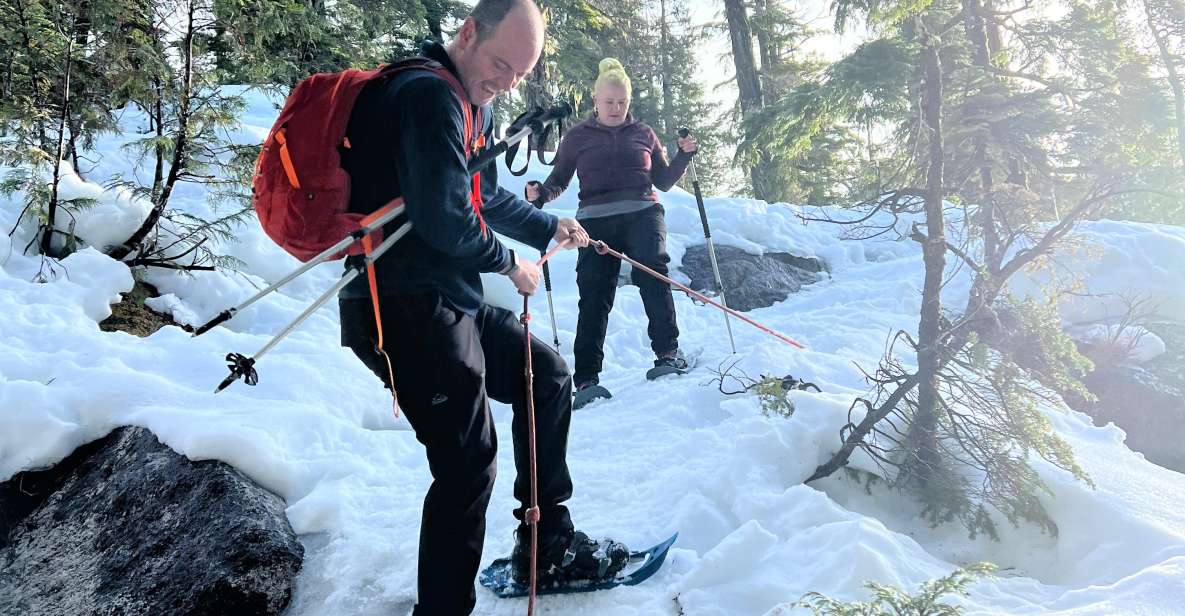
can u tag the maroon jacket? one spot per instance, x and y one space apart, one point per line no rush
619 163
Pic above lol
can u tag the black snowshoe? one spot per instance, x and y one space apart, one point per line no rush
587 392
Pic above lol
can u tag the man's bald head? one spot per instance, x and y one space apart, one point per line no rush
497 46
488 14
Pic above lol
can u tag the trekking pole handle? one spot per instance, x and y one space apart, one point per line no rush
222 317
703 213
532 123
555 114
538 203
683 134
699 197
488 156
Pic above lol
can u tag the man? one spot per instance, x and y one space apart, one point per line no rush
449 351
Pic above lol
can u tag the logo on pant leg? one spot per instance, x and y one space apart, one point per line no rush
439 399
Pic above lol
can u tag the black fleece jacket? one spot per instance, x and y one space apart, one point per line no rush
406 138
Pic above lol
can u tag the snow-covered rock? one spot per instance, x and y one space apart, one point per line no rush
125 525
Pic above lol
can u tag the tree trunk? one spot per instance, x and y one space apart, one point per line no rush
742 55
749 84
1174 77
537 95
922 440
180 148
82 23
975 26
995 38
768 51
6 89
158 120
47 235
433 13
72 147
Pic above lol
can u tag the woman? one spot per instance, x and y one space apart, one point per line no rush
619 161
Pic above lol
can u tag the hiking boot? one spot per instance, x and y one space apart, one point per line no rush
567 557
672 359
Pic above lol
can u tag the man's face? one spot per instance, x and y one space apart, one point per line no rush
495 65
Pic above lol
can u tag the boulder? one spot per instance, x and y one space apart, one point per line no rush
127 526
750 281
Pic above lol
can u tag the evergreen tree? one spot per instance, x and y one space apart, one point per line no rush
54 103
982 121
265 42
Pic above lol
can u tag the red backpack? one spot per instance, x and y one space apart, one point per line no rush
301 193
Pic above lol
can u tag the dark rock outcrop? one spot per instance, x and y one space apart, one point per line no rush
1147 401
750 281
127 526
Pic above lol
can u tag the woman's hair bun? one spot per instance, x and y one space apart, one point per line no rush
609 64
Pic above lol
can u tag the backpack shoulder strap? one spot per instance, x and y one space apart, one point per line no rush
418 63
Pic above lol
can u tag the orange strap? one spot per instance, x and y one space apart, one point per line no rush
286 159
368 247
475 145
477 202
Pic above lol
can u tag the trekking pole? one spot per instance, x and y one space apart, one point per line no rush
604 249
327 255
531 516
244 367
530 123
522 128
703 218
555 333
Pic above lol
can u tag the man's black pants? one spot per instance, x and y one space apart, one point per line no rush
446 363
642 236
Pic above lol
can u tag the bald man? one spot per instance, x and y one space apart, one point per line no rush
450 352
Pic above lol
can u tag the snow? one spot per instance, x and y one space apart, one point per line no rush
1125 262
674 454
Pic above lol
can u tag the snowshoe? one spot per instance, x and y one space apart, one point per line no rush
641 566
587 392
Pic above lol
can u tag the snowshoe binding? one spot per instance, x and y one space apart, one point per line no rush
671 363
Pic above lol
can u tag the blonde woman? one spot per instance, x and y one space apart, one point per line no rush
620 161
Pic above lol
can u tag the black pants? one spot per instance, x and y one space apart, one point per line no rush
642 236
445 364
